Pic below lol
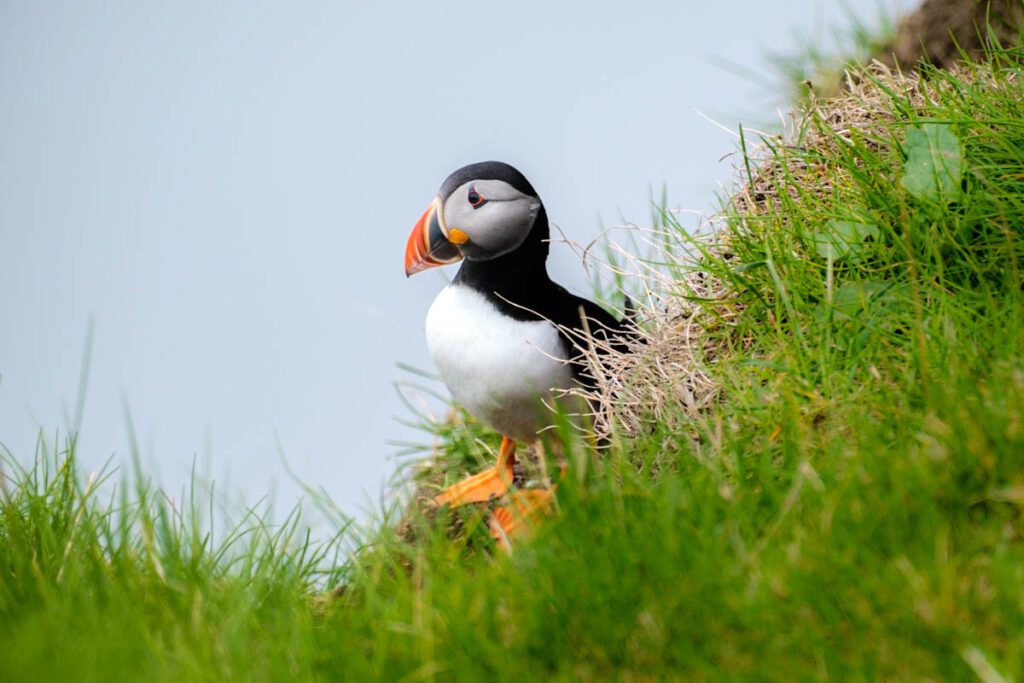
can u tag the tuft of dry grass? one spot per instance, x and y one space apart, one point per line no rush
661 374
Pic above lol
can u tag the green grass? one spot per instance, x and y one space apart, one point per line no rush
850 509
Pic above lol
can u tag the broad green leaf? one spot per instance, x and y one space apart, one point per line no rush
934 164
840 239
853 299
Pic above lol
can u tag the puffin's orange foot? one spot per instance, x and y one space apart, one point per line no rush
487 485
525 508
480 488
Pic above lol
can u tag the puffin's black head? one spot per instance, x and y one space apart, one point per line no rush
481 212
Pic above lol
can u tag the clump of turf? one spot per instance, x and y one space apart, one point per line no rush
902 192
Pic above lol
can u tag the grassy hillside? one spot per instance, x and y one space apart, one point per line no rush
816 467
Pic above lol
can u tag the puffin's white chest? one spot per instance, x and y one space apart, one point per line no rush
496 367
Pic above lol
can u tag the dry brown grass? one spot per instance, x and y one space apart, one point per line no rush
661 375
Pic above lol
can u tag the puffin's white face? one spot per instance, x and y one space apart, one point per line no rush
488 218
477 219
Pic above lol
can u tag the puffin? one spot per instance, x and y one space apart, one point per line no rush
503 336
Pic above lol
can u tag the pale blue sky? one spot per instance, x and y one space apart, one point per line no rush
225 189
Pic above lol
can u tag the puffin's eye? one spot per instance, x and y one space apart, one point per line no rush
476 200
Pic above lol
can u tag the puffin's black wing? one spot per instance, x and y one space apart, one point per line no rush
607 331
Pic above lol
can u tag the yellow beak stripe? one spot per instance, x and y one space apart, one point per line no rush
456 236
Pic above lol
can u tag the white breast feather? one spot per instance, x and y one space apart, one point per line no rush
496 367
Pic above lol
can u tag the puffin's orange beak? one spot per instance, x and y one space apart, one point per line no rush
428 244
